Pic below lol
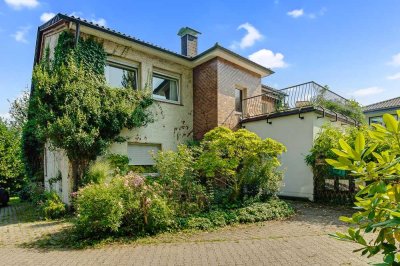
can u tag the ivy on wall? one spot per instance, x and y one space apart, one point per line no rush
73 108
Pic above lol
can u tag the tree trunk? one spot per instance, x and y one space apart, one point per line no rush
78 168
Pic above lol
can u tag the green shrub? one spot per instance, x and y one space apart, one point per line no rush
179 181
52 207
201 223
146 211
378 208
32 192
120 162
126 205
97 173
240 163
99 209
264 211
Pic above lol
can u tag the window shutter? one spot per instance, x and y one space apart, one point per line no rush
142 154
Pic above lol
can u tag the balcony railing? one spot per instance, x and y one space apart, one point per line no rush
299 96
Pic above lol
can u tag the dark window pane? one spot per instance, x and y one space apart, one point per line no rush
118 77
376 120
238 100
165 88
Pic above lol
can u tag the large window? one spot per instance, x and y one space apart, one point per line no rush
165 88
118 76
238 100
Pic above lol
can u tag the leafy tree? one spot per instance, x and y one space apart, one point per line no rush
11 167
378 201
19 111
73 108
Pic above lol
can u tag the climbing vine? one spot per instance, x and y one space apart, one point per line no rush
73 109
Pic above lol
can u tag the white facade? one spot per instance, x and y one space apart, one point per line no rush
173 123
298 136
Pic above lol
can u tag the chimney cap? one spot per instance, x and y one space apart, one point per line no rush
186 30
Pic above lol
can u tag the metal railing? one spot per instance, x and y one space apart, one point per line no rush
294 97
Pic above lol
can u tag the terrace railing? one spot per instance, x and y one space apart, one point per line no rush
294 97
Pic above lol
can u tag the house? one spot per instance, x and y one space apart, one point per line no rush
374 112
194 93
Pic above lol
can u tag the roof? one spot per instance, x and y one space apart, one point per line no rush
384 105
62 17
187 30
272 90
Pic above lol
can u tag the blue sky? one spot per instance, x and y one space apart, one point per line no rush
352 46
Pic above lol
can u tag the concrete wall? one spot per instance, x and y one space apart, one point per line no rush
297 135
173 122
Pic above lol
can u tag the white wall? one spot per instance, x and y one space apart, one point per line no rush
297 135
173 123
56 162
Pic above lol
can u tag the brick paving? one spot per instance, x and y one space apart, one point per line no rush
301 240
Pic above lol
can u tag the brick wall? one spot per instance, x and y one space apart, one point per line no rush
231 76
214 84
205 101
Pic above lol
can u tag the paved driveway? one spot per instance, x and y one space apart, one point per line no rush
302 240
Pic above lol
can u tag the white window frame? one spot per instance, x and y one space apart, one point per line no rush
127 66
170 76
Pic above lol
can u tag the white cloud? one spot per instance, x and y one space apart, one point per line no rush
367 92
249 39
395 60
46 16
20 35
100 21
394 76
267 58
296 13
19 4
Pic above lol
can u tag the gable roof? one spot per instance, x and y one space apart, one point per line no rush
198 59
384 105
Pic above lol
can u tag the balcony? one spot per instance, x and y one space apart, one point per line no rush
296 98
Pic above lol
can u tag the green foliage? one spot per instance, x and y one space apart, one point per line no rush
349 108
255 212
52 207
126 205
201 223
240 163
179 181
73 108
12 176
119 162
264 211
99 210
98 172
379 182
326 141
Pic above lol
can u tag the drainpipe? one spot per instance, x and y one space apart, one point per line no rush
77 33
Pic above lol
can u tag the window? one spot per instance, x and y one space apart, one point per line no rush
142 154
165 88
376 120
379 119
238 100
121 77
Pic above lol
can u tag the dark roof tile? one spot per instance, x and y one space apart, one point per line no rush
388 104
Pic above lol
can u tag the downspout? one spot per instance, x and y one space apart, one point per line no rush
77 33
